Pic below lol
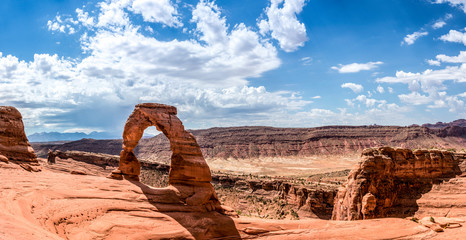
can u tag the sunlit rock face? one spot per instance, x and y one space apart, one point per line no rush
14 145
189 176
387 182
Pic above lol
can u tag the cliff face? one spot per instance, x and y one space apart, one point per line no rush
255 142
14 145
387 182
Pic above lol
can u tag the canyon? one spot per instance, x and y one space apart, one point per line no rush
263 183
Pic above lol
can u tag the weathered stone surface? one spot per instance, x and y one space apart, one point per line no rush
387 182
189 176
56 205
14 145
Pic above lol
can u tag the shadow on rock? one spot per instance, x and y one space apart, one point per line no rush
201 223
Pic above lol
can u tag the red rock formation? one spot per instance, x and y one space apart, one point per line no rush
14 145
387 182
54 205
259 142
189 176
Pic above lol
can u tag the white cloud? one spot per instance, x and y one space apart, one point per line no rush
456 3
461 58
411 38
438 24
428 87
83 18
306 61
63 26
454 36
161 11
283 24
356 67
211 26
205 75
316 97
433 62
356 88
380 89
415 98
390 90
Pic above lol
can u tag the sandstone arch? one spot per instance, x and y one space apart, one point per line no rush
189 176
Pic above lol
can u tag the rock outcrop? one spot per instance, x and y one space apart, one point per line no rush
189 176
387 182
14 145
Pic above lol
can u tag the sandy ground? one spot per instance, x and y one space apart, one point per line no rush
285 166
54 204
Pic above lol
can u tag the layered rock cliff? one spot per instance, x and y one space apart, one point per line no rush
14 145
388 182
259 142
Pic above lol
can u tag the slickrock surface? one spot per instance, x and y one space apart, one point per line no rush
389 182
275 198
14 145
189 177
54 205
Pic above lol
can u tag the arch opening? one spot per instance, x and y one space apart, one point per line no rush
189 175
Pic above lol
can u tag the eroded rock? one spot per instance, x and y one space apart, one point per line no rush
14 145
387 182
189 176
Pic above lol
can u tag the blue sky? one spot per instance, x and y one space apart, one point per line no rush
74 67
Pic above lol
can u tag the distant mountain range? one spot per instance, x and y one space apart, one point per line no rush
56 136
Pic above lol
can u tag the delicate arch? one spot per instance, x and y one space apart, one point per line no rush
187 163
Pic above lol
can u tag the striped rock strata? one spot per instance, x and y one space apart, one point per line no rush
14 145
388 182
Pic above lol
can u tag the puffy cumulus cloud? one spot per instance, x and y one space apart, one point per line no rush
161 11
461 58
411 38
454 36
380 89
63 26
433 62
283 24
456 3
373 110
211 26
356 88
415 98
429 87
356 67
205 76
